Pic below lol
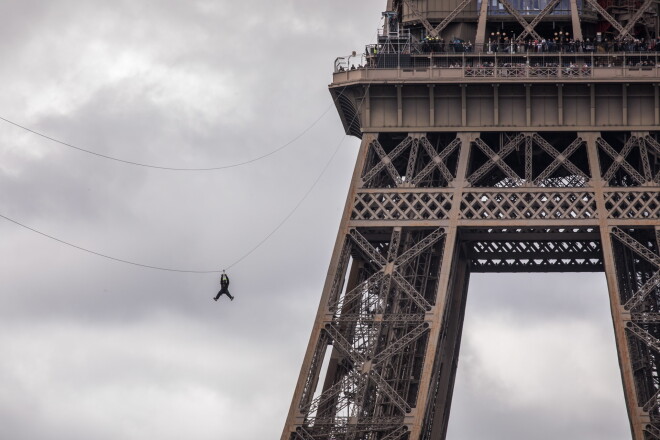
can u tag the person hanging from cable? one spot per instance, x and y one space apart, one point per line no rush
224 287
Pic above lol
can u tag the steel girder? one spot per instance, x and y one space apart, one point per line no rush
511 202
376 330
435 31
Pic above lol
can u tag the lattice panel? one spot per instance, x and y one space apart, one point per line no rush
632 162
528 206
413 162
638 277
636 205
530 160
401 206
378 334
536 256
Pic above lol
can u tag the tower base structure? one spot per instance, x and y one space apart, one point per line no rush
476 163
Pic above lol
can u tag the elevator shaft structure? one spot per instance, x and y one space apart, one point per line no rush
482 161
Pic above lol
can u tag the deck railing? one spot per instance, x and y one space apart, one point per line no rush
532 65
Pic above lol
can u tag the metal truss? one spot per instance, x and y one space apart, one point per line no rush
435 31
638 273
429 206
621 172
428 209
377 331
551 168
414 162
540 16
615 24
395 206
529 27
636 17
519 18
632 205
546 250
636 247
652 431
500 205
497 159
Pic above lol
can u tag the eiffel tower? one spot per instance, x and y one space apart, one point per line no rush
496 136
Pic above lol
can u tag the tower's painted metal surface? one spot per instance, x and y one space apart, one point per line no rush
497 136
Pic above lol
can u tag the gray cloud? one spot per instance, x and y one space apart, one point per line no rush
538 362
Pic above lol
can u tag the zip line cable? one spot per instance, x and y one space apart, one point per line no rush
257 246
247 254
144 165
293 211
120 260
309 191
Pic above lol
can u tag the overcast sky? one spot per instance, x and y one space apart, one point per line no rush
95 349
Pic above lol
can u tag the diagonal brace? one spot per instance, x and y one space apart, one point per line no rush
559 158
643 292
511 10
615 24
496 159
390 392
635 18
367 248
437 161
410 291
619 159
397 345
396 434
540 16
420 246
636 246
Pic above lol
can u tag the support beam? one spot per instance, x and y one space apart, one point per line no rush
656 106
622 32
560 104
624 103
435 31
367 107
399 106
496 104
464 105
637 421
449 18
540 16
575 21
635 18
480 39
514 12
592 93
528 104
431 105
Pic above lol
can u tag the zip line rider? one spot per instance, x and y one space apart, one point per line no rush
224 287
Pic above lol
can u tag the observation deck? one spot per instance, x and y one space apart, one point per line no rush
457 67
499 91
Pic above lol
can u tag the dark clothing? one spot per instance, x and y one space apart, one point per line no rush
223 291
224 288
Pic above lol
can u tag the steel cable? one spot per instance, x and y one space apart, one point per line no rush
257 246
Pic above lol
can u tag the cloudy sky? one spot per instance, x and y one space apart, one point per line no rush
95 349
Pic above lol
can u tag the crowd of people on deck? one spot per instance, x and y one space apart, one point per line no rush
438 46
545 45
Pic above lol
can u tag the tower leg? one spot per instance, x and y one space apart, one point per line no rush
620 316
319 340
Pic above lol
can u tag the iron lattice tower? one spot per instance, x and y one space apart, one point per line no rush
484 149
